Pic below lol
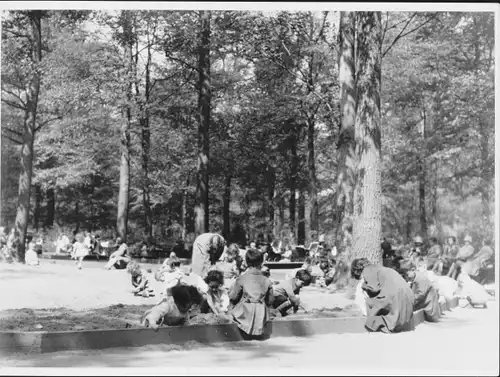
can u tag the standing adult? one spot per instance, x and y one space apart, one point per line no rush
389 299
207 249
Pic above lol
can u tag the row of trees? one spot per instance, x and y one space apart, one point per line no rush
281 124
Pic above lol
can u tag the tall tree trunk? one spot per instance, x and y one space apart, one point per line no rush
29 125
204 98
124 188
301 231
77 216
270 196
422 179
313 182
487 175
346 143
145 138
38 202
367 226
51 207
293 181
227 202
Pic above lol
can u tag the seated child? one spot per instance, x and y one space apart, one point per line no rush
31 256
193 279
172 310
307 265
120 258
426 295
216 300
328 273
140 280
169 274
286 292
251 295
228 265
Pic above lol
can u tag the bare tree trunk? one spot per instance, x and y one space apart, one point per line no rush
51 207
422 179
301 232
313 183
293 181
38 202
227 203
123 193
202 201
32 92
346 143
367 226
487 176
270 195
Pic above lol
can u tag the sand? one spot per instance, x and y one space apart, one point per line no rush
59 297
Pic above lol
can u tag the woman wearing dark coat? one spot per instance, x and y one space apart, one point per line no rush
389 302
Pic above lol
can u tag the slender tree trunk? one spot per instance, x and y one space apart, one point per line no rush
202 202
29 125
51 207
77 216
270 195
301 232
487 175
227 203
145 139
38 202
124 188
313 183
293 181
422 180
367 226
346 142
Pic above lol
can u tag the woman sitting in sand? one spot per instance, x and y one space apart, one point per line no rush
389 299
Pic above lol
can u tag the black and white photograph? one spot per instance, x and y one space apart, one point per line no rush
248 188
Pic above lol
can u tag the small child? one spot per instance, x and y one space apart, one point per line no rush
140 280
228 265
170 274
426 295
252 294
267 273
286 292
80 250
31 256
172 310
217 299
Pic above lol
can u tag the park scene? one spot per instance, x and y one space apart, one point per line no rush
182 185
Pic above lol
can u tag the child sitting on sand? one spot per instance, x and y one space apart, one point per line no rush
170 274
251 295
140 280
216 299
31 257
286 292
172 310
228 265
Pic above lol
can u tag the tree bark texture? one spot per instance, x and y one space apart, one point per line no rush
367 225
204 98
226 207
29 126
346 142
51 207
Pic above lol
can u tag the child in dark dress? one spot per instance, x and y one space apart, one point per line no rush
251 295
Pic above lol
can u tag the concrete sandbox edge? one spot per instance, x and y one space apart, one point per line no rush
46 342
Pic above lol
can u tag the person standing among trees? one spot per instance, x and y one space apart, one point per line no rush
207 249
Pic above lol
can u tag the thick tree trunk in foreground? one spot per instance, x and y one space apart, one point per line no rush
38 206
293 181
346 147
202 202
29 125
367 226
313 182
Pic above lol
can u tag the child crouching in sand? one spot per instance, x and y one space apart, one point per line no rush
140 280
216 299
252 294
31 257
286 292
172 310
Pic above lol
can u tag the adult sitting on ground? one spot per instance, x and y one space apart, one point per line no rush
433 256
476 266
426 295
207 249
119 259
389 299
463 255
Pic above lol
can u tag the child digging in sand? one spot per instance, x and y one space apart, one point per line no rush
140 280
252 294
172 310
216 299
286 292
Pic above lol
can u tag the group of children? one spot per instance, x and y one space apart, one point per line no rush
242 292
